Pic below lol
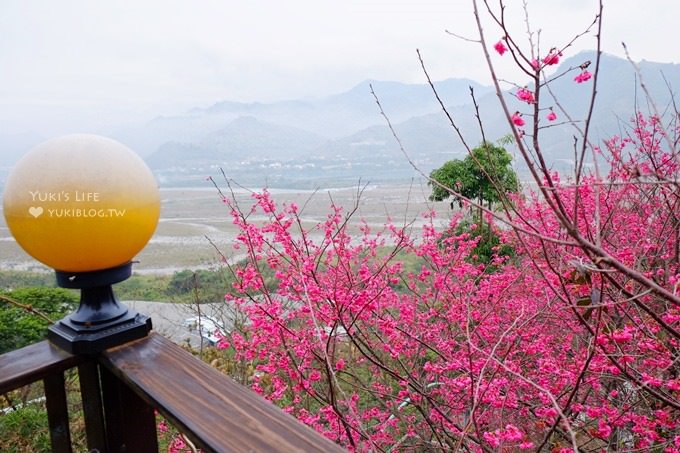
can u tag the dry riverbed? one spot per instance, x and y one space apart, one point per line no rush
195 226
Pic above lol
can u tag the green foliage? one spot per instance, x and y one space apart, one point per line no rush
20 327
25 429
10 279
507 139
454 174
201 286
410 262
486 175
24 426
186 286
143 287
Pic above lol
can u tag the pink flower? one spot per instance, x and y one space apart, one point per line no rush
621 336
535 64
553 57
222 341
551 116
177 445
512 434
492 438
517 119
583 77
603 429
340 364
500 47
162 426
525 95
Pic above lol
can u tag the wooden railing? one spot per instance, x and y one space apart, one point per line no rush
122 387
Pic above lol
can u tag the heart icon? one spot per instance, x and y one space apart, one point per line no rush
35 211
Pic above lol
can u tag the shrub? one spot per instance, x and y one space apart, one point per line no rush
22 326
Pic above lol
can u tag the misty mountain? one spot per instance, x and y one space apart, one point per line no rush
245 138
431 140
330 117
341 138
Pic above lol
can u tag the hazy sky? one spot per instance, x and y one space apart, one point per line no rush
95 61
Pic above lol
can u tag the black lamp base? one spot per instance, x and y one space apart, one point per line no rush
77 339
101 321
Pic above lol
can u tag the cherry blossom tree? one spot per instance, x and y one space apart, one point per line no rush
390 339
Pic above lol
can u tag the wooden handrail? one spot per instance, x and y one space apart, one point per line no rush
123 386
229 417
33 363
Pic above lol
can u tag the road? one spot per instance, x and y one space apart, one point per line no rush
168 318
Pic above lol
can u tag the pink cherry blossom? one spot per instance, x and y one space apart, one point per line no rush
517 119
603 429
500 47
177 445
371 351
512 434
583 77
492 438
553 57
525 95
621 336
552 116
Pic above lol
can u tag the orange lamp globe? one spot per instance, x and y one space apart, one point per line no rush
81 203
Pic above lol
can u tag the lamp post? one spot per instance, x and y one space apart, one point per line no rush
85 205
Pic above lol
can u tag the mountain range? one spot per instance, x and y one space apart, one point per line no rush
342 138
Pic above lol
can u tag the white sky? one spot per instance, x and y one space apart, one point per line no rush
64 61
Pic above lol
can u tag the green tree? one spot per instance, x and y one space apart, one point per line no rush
20 325
202 286
485 174
453 174
208 285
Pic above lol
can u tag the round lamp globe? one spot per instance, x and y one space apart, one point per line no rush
81 203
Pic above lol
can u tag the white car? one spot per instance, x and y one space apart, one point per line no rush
207 327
